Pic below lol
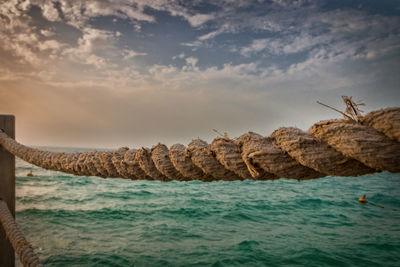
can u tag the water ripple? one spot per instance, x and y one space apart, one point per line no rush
86 221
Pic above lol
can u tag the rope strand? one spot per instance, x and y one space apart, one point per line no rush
334 147
21 246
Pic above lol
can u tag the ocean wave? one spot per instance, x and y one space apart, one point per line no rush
86 221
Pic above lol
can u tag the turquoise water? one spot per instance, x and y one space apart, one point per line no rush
88 221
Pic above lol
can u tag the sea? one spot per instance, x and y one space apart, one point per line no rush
90 221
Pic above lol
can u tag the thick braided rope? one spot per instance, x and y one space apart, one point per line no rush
334 147
21 246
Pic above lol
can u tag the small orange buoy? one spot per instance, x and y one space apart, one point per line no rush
362 199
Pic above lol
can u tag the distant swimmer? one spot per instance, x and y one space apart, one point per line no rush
363 199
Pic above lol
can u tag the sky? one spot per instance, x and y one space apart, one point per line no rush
134 73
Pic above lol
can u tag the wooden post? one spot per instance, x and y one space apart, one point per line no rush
7 188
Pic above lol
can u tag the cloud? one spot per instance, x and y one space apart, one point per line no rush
79 12
122 9
20 39
269 64
347 32
193 44
12 16
90 45
180 56
21 47
191 61
94 40
39 49
49 11
199 19
128 53
244 16
213 34
256 46
53 45
46 33
286 44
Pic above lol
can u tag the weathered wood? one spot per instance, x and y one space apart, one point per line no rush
7 188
